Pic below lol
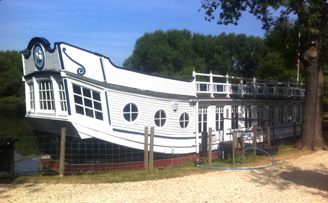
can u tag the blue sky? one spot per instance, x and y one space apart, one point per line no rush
109 27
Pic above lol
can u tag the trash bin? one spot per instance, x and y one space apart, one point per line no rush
7 156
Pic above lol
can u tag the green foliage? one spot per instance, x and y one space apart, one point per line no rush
11 72
176 53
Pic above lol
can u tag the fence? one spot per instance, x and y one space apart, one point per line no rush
61 155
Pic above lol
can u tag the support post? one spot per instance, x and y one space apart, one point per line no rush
210 146
254 138
268 135
234 140
62 152
151 149
242 148
146 149
39 163
294 130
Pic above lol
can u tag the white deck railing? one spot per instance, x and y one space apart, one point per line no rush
229 85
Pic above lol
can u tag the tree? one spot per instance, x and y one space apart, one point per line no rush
282 44
11 71
311 23
176 52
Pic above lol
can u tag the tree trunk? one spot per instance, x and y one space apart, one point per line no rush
311 130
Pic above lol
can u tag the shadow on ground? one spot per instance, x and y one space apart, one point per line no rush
283 177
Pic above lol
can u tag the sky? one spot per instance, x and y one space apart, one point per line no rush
108 27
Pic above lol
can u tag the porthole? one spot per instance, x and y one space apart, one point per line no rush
130 112
184 120
160 118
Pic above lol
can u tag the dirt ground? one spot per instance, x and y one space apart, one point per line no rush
302 179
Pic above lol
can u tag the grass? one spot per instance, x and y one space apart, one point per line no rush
286 151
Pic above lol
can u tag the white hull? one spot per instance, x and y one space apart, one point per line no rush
114 104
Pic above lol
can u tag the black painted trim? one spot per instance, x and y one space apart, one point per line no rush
67 97
110 123
158 136
102 68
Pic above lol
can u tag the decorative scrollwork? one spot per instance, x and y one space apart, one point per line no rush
81 70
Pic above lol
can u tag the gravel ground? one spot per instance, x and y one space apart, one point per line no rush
302 179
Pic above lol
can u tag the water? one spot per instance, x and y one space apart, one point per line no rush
14 124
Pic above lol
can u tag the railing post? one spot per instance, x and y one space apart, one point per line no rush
254 87
227 86
265 89
211 84
286 89
241 87
276 88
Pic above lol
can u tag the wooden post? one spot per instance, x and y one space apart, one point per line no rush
254 139
151 149
210 146
146 149
234 140
294 130
268 135
39 163
62 152
242 147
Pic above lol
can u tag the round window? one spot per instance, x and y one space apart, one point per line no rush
130 112
184 120
160 118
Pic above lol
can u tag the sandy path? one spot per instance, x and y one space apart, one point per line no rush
302 179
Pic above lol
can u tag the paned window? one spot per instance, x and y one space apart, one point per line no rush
160 118
260 116
248 116
202 119
271 115
130 112
62 97
281 115
31 92
219 118
234 117
290 114
298 113
46 100
87 102
184 120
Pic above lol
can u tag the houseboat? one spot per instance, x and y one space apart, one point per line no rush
106 108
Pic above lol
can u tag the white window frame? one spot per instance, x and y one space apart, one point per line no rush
289 114
160 118
202 119
185 122
248 116
260 116
281 114
87 108
46 101
219 121
130 113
